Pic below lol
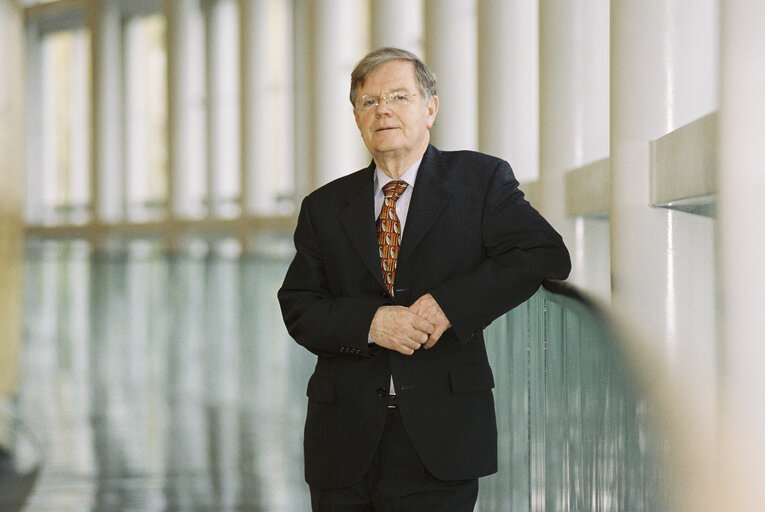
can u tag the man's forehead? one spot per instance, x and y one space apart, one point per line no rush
386 75
385 89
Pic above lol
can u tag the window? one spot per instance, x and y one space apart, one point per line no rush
146 117
61 145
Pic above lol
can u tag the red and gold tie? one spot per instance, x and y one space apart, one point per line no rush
389 232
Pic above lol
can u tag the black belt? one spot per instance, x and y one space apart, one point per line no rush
392 404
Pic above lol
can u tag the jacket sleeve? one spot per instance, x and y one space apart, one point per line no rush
521 250
324 324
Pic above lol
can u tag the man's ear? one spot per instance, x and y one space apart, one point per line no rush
432 107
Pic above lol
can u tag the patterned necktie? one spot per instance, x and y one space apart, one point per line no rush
389 232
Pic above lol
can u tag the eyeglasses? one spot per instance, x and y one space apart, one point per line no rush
393 100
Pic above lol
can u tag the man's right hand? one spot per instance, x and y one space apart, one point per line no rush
397 328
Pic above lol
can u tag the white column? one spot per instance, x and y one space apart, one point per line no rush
253 47
267 115
559 99
508 83
573 124
741 251
186 115
302 151
663 74
451 53
397 23
106 50
34 210
658 83
223 112
339 42
11 207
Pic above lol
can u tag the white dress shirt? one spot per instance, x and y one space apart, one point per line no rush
402 204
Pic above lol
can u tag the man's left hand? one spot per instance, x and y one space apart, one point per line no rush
427 307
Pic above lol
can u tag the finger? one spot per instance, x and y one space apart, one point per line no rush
431 342
433 339
436 335
408 346
419 337
423 325
412 339
405 350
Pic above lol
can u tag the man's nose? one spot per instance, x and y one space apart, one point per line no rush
382 107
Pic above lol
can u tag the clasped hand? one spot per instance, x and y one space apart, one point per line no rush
407 329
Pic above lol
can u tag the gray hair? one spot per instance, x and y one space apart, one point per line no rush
426 80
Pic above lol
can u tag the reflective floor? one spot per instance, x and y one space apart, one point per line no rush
170 384
159 384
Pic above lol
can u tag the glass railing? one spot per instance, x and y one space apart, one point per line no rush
160 382
575 430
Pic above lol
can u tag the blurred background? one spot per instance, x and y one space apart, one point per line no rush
153 155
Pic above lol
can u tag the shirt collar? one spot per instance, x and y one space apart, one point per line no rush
409 176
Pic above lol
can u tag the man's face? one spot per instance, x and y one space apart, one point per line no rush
389 130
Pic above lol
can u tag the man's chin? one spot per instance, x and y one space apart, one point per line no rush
386 151
387 143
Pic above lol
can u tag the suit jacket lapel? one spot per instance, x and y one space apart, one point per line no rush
358 219
428 198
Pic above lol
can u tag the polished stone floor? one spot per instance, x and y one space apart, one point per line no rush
158 384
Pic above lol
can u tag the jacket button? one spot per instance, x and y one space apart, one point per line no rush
381 392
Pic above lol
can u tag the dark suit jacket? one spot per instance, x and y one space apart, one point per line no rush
475 244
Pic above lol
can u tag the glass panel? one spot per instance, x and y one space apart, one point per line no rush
146 117
574 433
65 157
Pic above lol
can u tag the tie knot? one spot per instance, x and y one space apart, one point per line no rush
394 189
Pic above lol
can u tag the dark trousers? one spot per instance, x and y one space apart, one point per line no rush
397 481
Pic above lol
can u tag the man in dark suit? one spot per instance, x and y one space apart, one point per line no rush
399 268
